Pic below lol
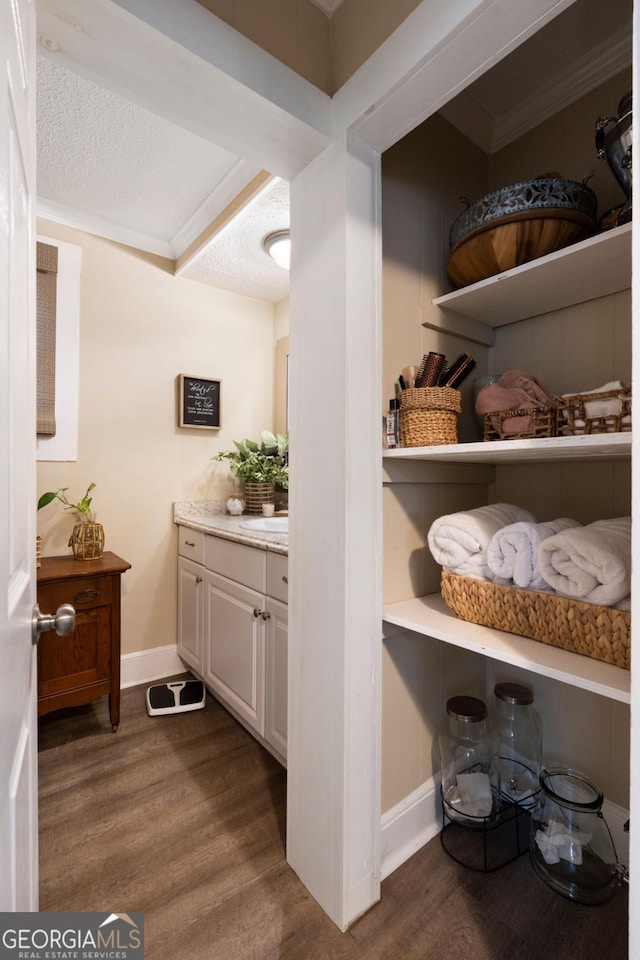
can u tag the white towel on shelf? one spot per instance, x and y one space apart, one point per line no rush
591 563
609 407
458 541
512 553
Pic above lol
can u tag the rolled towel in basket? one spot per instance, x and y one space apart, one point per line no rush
459 541
591 563
607 407
512 553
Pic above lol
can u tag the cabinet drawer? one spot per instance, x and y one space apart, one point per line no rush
277 577
191 544
83 593
236 562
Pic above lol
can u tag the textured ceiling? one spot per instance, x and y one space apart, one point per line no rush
108 166
236 260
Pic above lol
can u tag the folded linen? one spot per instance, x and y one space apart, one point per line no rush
459 541
607 407
512 553
515 390
591 563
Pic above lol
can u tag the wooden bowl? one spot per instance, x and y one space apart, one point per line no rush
518 223
494 249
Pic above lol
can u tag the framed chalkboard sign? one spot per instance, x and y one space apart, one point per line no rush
198 402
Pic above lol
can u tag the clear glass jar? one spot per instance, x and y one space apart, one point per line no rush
518 731
468 763
570 845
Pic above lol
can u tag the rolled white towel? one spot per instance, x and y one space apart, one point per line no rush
591 563
458 541
512 553
608 407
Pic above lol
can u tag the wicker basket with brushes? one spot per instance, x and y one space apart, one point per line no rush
428 416
602 633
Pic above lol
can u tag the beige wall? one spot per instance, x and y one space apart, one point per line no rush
139 328
324 51
296 32
423 177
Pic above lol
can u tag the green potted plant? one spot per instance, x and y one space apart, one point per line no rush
260 466
87 538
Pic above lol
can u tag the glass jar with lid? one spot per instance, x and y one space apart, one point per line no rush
468 763
571 847
518 731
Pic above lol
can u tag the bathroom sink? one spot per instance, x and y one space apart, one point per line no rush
267 524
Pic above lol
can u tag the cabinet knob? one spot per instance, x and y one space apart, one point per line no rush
198 579
285 579
256 612
62 621
266 615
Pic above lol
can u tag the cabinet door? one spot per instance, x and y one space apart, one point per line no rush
276 653
190 613
69 665
234 642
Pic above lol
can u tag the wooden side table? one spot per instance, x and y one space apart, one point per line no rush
84 666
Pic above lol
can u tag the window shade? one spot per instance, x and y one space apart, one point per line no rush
46 283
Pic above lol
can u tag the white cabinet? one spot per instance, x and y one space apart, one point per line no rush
232 629
277 647
191 545
235 647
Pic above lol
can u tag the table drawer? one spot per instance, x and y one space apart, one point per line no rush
82 593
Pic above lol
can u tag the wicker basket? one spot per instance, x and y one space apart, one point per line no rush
87 541
542 423
602 633
258 493
428 416
573 419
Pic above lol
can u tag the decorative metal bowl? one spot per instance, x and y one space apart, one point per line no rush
522 200
519 223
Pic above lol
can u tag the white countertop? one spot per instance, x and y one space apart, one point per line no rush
210 517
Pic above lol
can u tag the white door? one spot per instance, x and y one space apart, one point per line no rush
18 730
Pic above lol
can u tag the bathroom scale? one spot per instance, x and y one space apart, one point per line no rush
177 696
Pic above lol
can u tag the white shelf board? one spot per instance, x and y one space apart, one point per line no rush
615 445
431 617
593 268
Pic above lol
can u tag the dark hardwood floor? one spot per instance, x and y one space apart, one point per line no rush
183 817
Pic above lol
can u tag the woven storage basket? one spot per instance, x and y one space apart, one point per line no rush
542 423
602 633
572 413
428 416
87 541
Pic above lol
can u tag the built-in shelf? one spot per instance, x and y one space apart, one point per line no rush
431 617
611 445
584 271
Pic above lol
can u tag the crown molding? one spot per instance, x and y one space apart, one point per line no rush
590 71
328 6
578 79
101 227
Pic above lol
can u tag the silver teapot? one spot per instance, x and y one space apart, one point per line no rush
613 146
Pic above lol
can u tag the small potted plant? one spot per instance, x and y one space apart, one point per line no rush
261 467
87 538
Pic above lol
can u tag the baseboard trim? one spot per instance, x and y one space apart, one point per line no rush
408 826
145 665
417 819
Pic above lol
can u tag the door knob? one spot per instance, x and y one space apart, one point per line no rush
62 621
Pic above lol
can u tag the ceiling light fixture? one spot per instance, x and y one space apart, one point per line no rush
278 246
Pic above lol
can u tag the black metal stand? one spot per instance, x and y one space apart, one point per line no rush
486 843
